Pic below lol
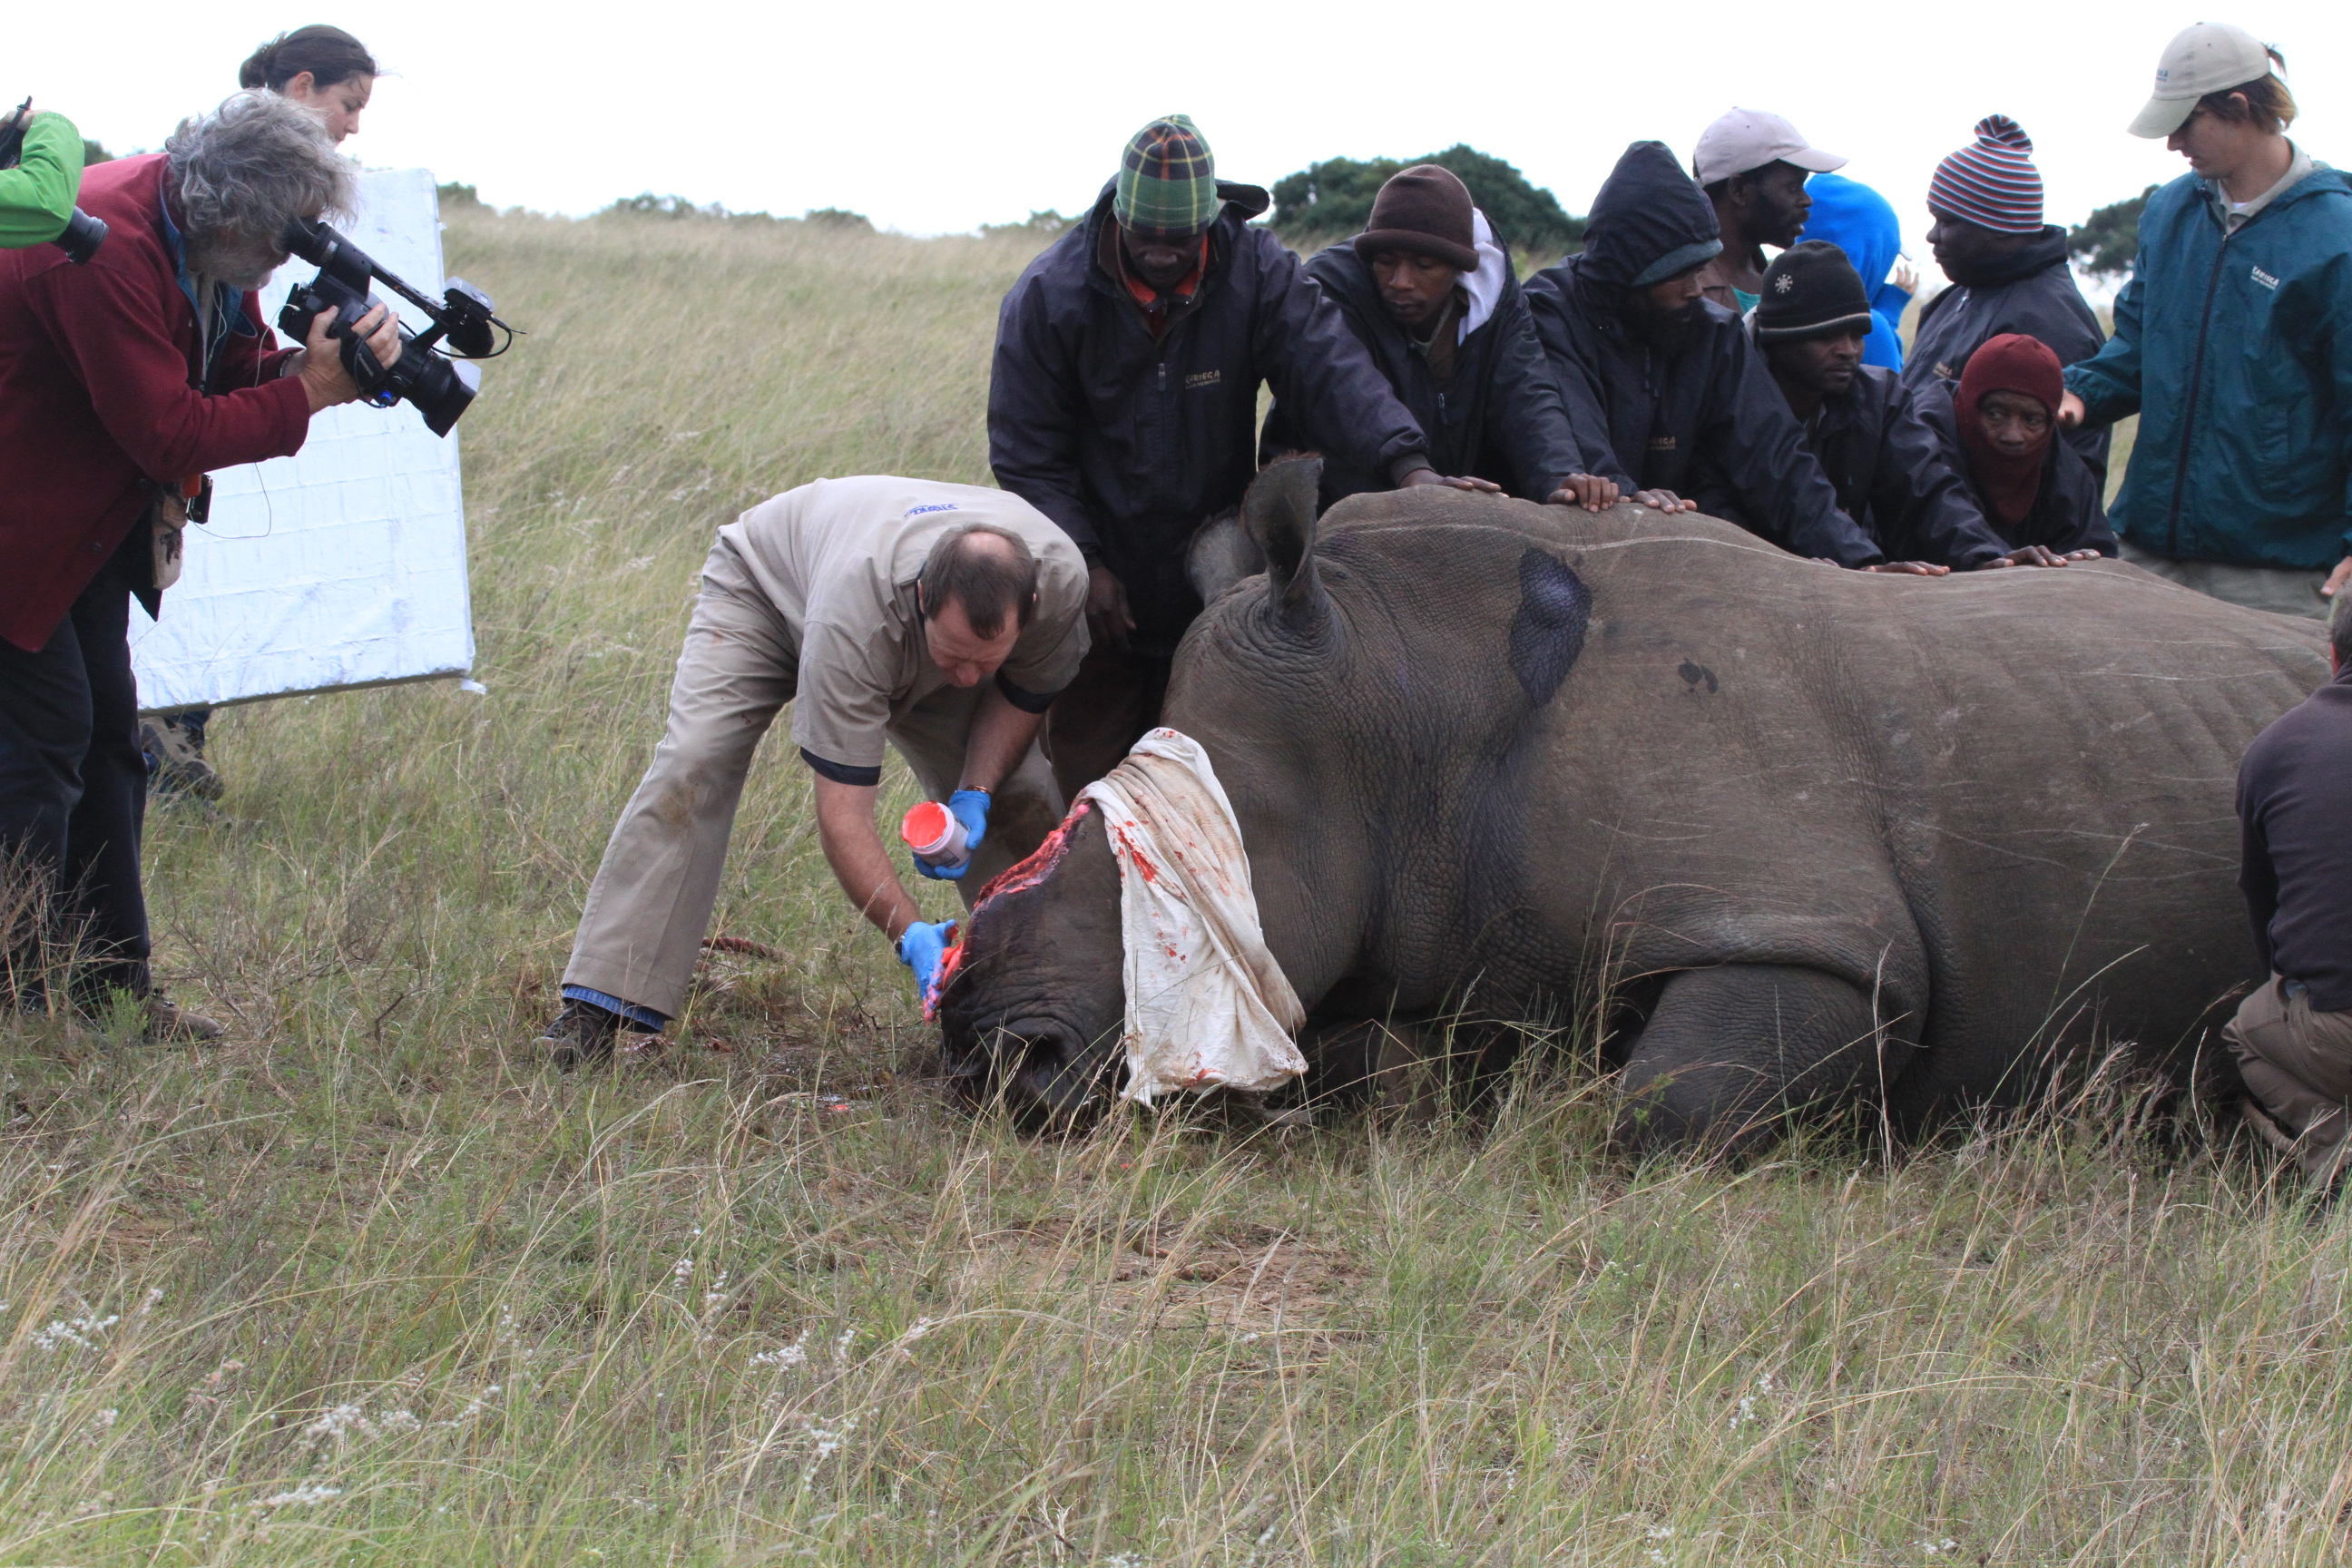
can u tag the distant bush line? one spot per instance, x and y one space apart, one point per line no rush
1329 201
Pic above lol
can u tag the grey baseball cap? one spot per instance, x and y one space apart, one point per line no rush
2212 57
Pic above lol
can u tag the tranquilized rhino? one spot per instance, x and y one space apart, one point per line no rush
1828 833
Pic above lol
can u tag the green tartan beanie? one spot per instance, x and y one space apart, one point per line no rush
1167 180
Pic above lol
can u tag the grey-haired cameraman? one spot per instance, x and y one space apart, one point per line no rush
122 382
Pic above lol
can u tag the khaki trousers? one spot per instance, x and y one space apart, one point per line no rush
2272 588
650 906
2298 1063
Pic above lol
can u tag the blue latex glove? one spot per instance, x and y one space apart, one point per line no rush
922 949
969 806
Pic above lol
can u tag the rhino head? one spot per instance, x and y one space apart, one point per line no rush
1032 1013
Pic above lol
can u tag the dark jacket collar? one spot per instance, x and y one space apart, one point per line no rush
2039 255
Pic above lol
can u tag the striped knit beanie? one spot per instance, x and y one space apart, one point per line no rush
1166 180
1991 182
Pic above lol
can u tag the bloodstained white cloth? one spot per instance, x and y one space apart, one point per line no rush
1207 1005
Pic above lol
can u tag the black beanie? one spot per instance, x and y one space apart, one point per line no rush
1424 210
1810 290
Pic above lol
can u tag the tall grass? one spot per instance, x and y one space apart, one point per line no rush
367 1284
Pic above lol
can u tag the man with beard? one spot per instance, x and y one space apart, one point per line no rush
2008 268
1669 375
1752 166
1882 456
122 382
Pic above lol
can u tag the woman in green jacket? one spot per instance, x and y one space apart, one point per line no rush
2234 344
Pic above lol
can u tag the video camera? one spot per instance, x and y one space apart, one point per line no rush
424 373
83 234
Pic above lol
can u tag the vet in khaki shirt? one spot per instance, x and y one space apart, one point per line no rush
839 559
810 598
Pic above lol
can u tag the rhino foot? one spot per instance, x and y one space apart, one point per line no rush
1729 1052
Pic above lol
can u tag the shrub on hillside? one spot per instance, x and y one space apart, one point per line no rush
837 217
1046 224
647 204
453 195
1334 198
2106 241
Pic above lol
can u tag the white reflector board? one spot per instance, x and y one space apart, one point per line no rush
344 564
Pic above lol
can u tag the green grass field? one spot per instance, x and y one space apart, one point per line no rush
366 1285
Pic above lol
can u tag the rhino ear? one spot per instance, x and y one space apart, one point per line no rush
1279 512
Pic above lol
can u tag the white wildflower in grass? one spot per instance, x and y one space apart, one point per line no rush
793 1354
1946 1545
823 1443
716 1293
1746 1412
81 1331
309 1494
474 1405
399 1421
339 1423
683 1269
841 1346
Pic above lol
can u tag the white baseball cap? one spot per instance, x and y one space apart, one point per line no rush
2212 57
1748 139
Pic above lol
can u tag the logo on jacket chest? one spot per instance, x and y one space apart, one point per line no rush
1204 378
1661 443
2265 279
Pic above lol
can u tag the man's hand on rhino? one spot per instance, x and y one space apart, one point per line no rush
1109 619
2337 579
1664 500
1590 491
1420 477
1909 569
2037 555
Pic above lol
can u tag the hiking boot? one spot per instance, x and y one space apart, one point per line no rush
175 758
168 1023
581 1033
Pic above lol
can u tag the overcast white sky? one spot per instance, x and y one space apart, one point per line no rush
934 118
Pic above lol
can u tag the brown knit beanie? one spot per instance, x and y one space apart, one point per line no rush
1424 210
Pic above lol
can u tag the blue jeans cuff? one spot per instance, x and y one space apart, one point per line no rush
629 1010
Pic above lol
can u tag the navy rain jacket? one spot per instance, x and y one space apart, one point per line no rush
1131 444
1500 418
1715 397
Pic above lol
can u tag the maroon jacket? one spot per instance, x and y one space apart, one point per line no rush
98 363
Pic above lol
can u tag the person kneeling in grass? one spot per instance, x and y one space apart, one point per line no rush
942 619
2293 1037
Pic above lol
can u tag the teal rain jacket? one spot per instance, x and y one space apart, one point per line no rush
2236 354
